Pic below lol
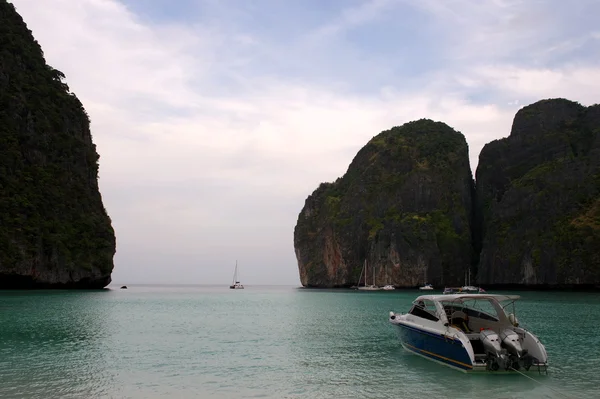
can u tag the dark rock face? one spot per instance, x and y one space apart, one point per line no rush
54 230
538 198
404 205
407 205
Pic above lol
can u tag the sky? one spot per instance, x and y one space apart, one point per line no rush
215 119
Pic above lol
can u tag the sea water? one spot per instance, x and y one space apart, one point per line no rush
265 342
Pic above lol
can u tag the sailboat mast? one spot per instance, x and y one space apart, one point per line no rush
360 277
235 273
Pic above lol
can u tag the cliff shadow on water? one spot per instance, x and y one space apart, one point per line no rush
409 208
54 230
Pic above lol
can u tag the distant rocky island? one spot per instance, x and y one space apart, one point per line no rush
409 206
54 230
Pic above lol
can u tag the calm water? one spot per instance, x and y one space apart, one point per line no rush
264 342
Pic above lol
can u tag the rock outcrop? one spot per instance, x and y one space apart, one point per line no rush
407 206
54 230
538 198
404 205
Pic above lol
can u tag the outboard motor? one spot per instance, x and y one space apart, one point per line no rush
496 357
491 342
510 340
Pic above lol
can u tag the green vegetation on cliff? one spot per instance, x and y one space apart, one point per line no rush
54 230
404 204
538 193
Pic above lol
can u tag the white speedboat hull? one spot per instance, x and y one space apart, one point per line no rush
493 343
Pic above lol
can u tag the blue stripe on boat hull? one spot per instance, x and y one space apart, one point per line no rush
435 346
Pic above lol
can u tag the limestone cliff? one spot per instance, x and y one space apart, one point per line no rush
404 205
538 198
54 230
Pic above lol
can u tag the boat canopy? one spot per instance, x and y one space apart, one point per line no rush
441 307
459 297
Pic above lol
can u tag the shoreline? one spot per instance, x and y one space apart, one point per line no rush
489 288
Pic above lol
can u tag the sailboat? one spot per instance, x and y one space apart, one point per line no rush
426 287
366 287
235 284
468 288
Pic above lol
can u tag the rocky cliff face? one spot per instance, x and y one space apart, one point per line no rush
404 205
54 230
538 198
406 201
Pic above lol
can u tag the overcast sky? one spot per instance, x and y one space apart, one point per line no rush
215 119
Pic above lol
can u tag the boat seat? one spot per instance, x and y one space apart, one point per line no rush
458 314
460 320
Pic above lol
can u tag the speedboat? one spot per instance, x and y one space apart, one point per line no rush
426 287
470 332
389 287
452 290
467 289
470 289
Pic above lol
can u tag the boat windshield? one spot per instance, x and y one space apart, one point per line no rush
426 309
483 308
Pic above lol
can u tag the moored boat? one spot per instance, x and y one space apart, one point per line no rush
367 287
452 290
235 283
470 332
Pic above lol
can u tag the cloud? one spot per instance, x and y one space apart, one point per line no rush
352 17
212 131
580 83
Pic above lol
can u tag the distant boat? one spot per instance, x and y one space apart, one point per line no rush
426 287
464 290
366 287
468 288
388 287
236 285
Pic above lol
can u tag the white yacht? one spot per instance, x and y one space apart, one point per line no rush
426 287
470 332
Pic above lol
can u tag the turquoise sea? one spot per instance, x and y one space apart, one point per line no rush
264 342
